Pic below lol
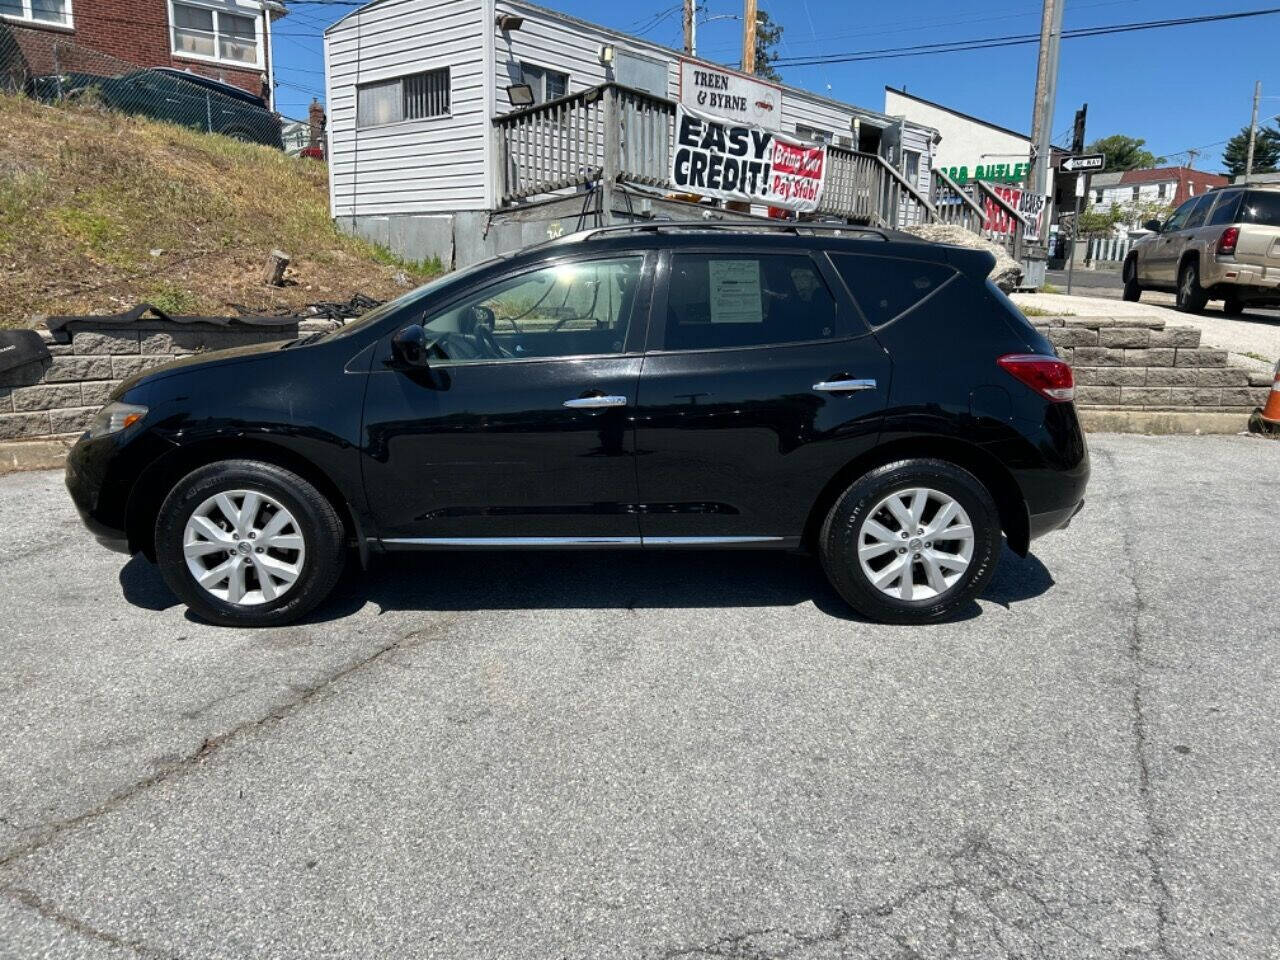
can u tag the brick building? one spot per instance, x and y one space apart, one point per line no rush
229 40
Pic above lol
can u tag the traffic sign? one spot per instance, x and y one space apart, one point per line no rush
1091 162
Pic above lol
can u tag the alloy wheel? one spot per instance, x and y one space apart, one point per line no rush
915 544
244 547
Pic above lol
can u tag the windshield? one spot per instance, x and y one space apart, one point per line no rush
1261 207
439 285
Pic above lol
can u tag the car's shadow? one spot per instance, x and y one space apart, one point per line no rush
592 580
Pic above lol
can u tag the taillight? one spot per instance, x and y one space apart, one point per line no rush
1227 242
1047 376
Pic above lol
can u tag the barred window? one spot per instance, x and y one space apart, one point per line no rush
415 97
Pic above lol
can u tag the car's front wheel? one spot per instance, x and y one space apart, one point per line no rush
246 543
911 541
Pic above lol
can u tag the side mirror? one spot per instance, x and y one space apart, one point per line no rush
1152 225
410 346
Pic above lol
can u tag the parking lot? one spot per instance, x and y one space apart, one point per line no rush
661 755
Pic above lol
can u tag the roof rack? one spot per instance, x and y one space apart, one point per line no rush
797 228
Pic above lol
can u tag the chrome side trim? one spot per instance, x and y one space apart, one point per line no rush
592 403
709 541
489 542
513 541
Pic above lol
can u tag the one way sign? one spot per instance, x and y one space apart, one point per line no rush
1092 162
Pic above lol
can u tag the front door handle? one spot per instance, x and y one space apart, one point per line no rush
590 403
844 386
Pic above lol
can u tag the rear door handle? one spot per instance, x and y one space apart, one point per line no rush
590 403
844 386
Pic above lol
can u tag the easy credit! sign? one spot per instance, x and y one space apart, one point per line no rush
738 161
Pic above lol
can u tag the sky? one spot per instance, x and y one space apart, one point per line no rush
1179 88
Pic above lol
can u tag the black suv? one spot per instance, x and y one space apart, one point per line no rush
857 393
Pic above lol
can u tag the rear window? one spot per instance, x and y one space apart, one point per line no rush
1226 210
1261 206
887 287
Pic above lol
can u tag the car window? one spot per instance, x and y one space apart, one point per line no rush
1196 217
887 287
1179 216
564 310
1261 207
727 300
1228 206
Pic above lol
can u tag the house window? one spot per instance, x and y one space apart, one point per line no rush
912 172
209 33
547 84
1135 194
813 134
415 97
38 11
1163 191
1097 196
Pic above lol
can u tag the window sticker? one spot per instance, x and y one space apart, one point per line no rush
735 291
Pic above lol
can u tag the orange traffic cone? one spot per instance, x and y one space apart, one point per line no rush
1267 419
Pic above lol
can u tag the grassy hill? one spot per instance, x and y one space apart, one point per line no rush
99 212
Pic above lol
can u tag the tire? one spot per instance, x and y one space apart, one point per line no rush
847 526
1132 289
287 543
1191 296
1232 307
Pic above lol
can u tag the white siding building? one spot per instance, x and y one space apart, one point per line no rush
414 86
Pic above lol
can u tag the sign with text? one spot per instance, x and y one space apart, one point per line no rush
1084 163
1030 205
739 161
730 96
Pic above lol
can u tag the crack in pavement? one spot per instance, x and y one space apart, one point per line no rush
984 890
1153 849
212 745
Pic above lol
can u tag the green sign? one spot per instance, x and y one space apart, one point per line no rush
991 173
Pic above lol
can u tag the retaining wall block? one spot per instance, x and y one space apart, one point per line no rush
1073 337
1111 376
18 426
72 421
1200 357
1195 396
1144 396
107 342
67 369
1124 337
1175 337
1150 357
1098 357
96 392
46 397
1097 395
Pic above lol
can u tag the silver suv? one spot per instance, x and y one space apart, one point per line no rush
1222 245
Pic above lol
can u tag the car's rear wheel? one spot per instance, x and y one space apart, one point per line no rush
911 541
245 543
1232 307
1132 289
1191 296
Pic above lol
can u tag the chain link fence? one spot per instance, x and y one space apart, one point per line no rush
52 69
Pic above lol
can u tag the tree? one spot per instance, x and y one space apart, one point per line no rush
1124 153
768 36
1266 151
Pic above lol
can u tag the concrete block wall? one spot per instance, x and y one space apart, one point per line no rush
1140 363
58 397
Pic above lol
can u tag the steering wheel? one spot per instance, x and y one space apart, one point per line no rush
483 335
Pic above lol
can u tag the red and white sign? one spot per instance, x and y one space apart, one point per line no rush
1030 205
738 161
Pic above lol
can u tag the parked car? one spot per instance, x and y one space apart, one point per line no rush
868 397
174 96
1222 245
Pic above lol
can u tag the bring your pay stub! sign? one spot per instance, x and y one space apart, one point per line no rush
737 161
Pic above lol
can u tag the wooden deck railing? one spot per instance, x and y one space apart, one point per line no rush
611 135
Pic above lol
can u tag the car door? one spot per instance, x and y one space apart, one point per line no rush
759 382
519 431
1168 247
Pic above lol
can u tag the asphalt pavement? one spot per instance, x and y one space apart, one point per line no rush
661 755
1107 283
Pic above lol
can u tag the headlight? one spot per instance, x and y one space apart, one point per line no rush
115 417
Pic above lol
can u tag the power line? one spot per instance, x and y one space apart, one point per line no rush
987 43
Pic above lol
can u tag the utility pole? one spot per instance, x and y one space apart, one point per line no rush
1046 90
1081 185
1253 131
690 25
748 36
